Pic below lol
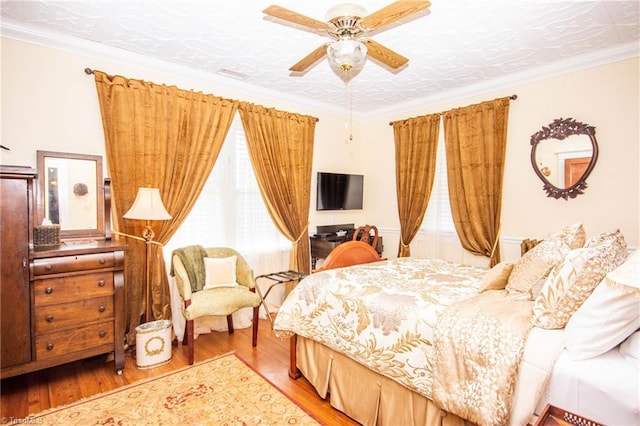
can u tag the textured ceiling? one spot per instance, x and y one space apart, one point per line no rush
455 45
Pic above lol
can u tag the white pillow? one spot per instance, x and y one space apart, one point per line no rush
630 348
609 315
220 272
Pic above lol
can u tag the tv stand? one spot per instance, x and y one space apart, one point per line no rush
326 239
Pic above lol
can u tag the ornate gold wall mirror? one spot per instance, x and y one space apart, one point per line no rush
563 155
71 193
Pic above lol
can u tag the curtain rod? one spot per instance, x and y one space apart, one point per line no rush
512 97
89 71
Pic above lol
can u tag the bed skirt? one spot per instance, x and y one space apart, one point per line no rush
363 395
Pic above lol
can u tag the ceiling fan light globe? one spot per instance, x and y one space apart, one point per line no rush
347 54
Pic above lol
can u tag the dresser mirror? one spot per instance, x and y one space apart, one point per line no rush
563 155
70 193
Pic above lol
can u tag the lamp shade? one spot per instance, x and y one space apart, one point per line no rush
347 54
148 206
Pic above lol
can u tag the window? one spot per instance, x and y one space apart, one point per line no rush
438 216
230 211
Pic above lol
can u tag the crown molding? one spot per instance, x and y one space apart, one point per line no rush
28 34
24 33
574 64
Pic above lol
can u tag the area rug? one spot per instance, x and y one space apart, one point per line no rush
219 391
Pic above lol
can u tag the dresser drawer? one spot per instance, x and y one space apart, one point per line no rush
72 288
74 340
83 262
68 315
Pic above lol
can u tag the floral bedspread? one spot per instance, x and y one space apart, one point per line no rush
381 314
478 345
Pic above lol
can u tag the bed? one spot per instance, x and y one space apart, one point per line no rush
425 341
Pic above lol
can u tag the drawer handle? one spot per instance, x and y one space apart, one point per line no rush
48 267
102 333
48 290
49 346
49 318
101 283
102 261
101 308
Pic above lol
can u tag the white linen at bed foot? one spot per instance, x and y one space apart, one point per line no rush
605 389
540 353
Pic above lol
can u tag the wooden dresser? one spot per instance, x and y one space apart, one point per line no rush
16 212
62 301
77 304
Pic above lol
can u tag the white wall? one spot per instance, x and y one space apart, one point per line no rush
606 97
48 103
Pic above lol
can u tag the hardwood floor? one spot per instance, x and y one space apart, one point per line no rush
34 392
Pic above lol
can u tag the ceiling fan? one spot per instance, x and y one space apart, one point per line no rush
348 25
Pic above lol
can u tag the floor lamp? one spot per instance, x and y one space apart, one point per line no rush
147 206
153 338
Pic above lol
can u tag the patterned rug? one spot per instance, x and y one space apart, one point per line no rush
219 391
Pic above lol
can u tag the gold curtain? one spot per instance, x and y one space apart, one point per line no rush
281 150
163 137
475 140
416 143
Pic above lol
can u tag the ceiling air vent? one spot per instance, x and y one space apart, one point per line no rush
233 74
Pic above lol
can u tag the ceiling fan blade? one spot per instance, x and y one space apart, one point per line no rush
384 54
313 57
295 18
393 12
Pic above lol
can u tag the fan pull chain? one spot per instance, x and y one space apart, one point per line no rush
349 121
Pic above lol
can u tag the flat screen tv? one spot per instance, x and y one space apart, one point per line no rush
339 191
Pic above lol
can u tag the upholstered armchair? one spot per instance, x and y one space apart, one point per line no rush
213 281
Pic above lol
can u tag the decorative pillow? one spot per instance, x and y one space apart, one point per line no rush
605 238
537 262
220 272
574 235
571 281
496 278
609 315
536 289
